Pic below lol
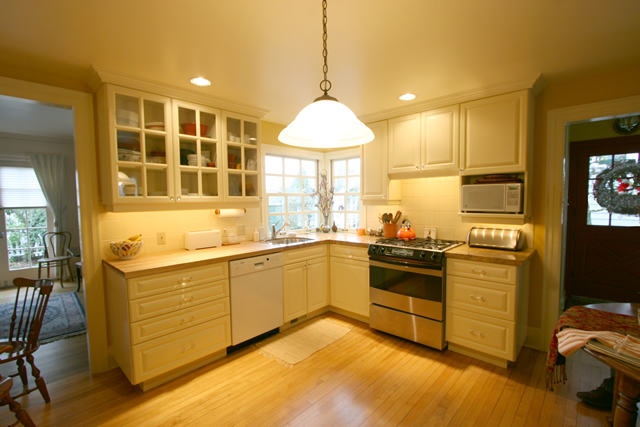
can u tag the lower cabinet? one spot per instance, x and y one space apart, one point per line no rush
162 322
349 267
487 307
305 281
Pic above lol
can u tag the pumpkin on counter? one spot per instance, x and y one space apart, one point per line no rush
406 232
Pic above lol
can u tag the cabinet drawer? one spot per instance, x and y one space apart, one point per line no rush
486 334
297 255
481 296
156 305
506 274
350 252
179 279
163 354
172 322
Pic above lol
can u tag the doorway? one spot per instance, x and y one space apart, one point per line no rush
30 127
602 258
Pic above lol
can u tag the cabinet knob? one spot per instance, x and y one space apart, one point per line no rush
185 300
418 167
178 198
475 298
477 271
384 196
189 320
188 348
422 167
477 334
171 198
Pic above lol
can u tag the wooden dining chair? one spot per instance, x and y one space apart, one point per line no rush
6 399
56 254
32 297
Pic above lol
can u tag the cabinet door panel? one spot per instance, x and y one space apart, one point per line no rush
350 285
481 296
295 290
507 274
404 144
161 355
375 178
486 334
153 284
494 134
317 281
440 141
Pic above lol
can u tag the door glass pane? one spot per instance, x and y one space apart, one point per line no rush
614 190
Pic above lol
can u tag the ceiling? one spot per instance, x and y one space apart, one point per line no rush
269 53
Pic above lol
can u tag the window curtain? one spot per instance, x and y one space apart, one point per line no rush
50 173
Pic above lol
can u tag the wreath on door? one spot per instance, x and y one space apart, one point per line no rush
617 189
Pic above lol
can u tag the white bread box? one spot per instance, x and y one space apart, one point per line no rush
202 239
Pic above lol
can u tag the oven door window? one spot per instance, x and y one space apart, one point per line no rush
411 284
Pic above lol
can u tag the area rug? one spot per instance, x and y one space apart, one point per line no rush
64 318
296 344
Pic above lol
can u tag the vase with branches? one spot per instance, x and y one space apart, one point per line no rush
324 199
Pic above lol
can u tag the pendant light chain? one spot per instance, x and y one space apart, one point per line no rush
325 84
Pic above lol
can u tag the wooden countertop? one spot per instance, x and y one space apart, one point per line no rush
161 262
495 256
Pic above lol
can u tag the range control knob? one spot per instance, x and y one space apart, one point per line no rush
423 254
435 256
381 250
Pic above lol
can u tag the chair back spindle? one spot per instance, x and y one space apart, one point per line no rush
29 310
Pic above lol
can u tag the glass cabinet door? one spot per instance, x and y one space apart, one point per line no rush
197 130
241 134
140 128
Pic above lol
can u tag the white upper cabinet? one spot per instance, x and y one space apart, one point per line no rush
494 134
376 186
160 150
198 169
136 149
242 156
404 144
425 144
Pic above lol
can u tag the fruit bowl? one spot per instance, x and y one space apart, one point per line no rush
126 249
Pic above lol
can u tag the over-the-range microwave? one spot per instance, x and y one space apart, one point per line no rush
491 198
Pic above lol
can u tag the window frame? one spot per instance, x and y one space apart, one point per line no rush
345 155
49 227
286 152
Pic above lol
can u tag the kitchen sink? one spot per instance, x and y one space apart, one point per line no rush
288 240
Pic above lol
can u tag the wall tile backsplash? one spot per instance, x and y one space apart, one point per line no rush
116 226
433 202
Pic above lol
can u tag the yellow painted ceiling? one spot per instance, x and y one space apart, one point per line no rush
268 53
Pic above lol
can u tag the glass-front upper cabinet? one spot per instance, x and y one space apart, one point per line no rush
242 136
197 153
139 147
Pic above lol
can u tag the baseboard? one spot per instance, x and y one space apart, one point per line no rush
349 314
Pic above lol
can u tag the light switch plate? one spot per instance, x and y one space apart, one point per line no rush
430 232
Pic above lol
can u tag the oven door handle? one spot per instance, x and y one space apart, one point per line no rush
393 266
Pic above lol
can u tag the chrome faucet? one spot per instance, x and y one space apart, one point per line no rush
274 232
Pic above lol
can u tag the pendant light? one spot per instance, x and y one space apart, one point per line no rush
326 123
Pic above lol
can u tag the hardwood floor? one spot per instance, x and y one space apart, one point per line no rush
365 378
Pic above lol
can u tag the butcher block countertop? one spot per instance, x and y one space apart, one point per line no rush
166 261
495 256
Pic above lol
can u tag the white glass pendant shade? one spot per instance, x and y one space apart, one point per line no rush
326 124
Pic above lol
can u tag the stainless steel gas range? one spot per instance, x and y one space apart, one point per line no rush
407 288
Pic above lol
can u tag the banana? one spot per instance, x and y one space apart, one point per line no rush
135 238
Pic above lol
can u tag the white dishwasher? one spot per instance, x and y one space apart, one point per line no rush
256 296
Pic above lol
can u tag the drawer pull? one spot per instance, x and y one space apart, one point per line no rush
189 320
347 252
189 348
480 272
184 300
480 299
477 334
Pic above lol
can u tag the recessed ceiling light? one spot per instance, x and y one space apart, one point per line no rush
200 81
407 97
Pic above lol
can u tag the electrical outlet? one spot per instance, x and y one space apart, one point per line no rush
242 230
162 238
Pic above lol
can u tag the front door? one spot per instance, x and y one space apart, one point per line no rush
602 259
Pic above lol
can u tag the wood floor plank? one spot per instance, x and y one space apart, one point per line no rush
365 378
